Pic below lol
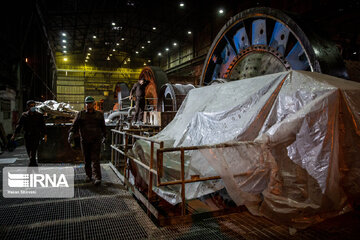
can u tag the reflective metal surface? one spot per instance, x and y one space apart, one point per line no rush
172 95
256 62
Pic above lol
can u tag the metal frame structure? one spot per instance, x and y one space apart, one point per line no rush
158 170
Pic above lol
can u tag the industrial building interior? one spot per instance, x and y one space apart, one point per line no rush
250 127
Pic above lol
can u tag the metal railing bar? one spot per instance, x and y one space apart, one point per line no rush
136 136
221 145
135 160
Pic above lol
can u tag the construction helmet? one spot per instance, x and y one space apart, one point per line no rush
89 99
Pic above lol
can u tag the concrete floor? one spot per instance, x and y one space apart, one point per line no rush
109 211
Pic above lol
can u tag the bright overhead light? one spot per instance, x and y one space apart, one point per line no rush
189 32
65 59
113 24
136 52
90 48
142 47
149 41
114 50
130 3
64 34
122 39
354 53
166 49
64 51
87 57
110 55
117 44
128 59
64 46
154 28
86 60
149 60
88 53
159 53
64 41
125 62
181 4
175 44
108 58
221 11
144 64
94 36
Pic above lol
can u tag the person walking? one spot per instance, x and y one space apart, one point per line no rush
139 90
34 129
92 128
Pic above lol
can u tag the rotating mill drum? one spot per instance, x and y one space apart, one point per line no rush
157 78
262 41
172 95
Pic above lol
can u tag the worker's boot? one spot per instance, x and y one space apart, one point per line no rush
33 162
88 179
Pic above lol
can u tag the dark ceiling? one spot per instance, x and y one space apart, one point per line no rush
124 28
130 27
31 35
134 20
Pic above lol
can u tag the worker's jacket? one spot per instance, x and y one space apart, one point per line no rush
91 125
33 124
139 89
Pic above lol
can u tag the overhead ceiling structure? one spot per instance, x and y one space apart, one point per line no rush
100 31
107 33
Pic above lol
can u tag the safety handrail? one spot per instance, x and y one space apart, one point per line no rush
159 170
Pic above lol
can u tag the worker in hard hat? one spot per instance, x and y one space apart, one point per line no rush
91 124
34 128
139 90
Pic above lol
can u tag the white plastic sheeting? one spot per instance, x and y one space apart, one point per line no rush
299 157
54 108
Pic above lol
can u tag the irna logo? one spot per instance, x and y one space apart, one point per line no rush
37 180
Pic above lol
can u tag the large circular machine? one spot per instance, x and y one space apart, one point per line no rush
123 108
160 94
262 41
172 95
157 78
